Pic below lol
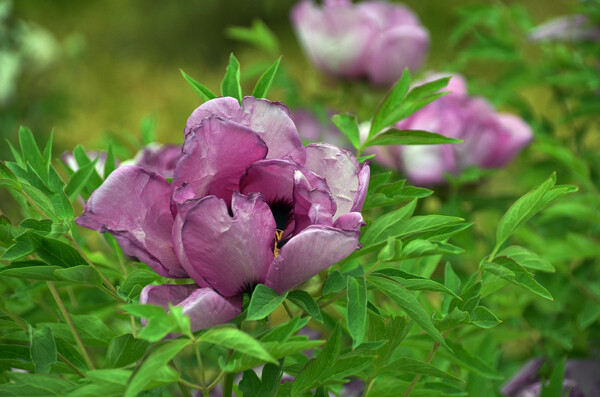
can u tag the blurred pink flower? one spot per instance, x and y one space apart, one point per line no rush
372 39
491 139
566 28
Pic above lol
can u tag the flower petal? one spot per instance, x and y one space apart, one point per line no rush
313 250
158 158
350 221
230 253
403 46
133 205
364 174
205 307
340 169
270 120
215 155
274 180
312 206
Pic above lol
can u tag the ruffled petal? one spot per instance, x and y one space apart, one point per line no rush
205 307
133 205
340 168
229 253
364 174
350 221
158 158
270 120
274 180
307 254
312 206
215 155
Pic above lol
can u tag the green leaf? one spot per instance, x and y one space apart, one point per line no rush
43 349
357 309
31 152
467 360
483 317
148 129
405 300
348 124
263 302
231 82
34 385
124 350
306 302
8 178
556 386
409 137
204 93
453 319
153 363
258 35
92 327
82 159
34 270
158 324
43 226
412 366
335 283
79 180
55 252
251 385
316 367
82 274
414 282
264 82
233 338
392 100
47 154
527 259
141 277
451 280
385 225
521 277
110 163
523 209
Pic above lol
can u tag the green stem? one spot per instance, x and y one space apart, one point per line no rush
183 386
69 322
288 310
199 359
70 365
228 384
89 262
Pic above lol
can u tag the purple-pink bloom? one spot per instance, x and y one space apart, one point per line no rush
490 139
159 158
248 204
372 39
582 379
576 27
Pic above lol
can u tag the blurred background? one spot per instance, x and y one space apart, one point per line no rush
90 69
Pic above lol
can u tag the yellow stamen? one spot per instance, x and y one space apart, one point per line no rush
278 236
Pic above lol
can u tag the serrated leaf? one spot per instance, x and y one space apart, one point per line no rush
406 301
204 93
348 125
266 79
154 362
356 309
230 86
263 302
